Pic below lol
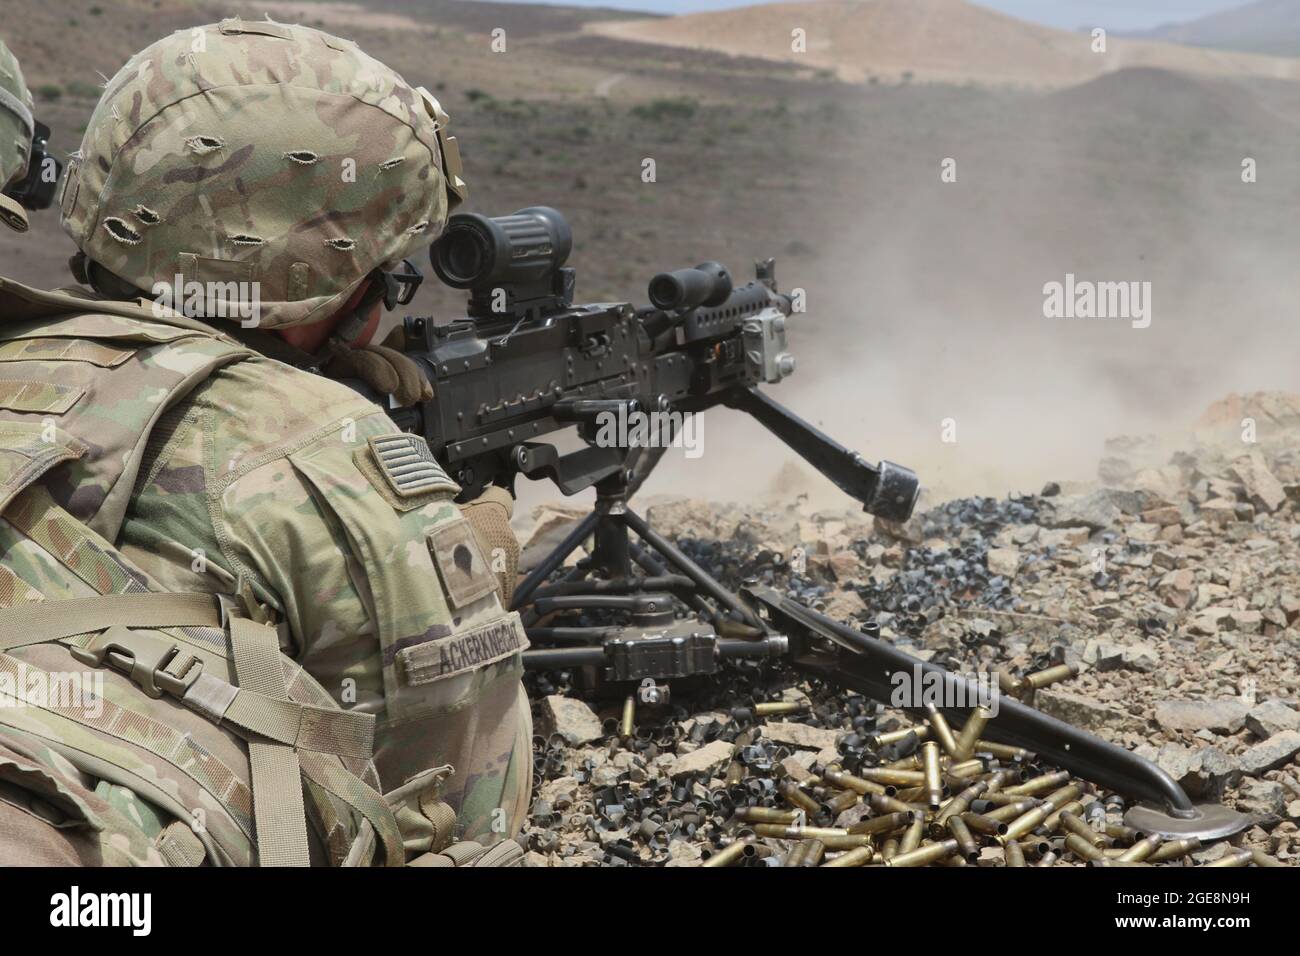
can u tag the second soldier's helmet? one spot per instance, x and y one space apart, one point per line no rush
16 127
259 153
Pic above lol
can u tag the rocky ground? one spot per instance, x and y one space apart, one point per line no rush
1172 584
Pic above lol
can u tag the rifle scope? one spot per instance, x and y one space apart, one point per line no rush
475 252
708 284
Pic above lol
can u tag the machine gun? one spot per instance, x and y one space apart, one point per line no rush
527 362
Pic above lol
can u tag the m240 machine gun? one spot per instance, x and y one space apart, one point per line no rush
527 362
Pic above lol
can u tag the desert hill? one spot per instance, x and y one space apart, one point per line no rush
933 40
1265 26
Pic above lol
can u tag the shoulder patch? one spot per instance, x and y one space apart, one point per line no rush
408 467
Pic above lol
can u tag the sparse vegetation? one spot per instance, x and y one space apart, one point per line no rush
659 110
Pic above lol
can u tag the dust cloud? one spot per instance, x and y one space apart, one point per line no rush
926 300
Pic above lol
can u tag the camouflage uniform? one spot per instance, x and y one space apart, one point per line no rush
197 465
16 126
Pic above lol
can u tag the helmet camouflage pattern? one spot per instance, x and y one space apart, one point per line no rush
259 152
15 134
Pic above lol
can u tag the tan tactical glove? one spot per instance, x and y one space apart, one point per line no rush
383 367
489 516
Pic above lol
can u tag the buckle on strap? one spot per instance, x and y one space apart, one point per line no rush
146 659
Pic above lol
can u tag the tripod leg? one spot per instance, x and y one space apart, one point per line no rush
686 566
553 560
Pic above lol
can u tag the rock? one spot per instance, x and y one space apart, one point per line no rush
558 792
1205 774
683 853
1004 561
1143 657
1224 716
571 719
910 530
1261 486
1271 753
706 760
798 766
1085 712
1270 718
533 858
843 605
1162 516
1094 511
799 735
1264 801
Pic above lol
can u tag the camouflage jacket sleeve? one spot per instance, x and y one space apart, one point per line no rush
271 475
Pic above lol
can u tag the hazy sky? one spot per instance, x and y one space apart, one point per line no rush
1069 14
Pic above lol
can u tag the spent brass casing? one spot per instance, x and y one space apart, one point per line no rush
1047 859
1009 683
1117 831
1053 823
1009 812
883 804
933 774
910 762
730 854
1174 850
1051 675
982 824
839 802
899 778
767 815
942 732
813 855
929 853
1003 751
1238 857
838 778
1035 785
1142 849
912 795
796 854
967 768
1083 848
859 856
890 849
1000 778
1030 821
626 725
883 824
1013 855
797 798
970 732
912 836
735 773
773 708
1002 799
970 849
894 736
957 805
1079 827
778 832
1260 858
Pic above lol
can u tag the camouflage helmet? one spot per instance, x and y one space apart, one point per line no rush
16 126
259 152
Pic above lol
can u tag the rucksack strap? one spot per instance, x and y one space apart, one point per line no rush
99 631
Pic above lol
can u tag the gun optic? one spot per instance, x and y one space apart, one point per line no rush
519 250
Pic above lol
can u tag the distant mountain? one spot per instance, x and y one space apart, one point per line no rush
929 40
1265 26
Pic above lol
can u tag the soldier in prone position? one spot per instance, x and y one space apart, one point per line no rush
242 619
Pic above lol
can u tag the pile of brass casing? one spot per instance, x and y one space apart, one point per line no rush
957 800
